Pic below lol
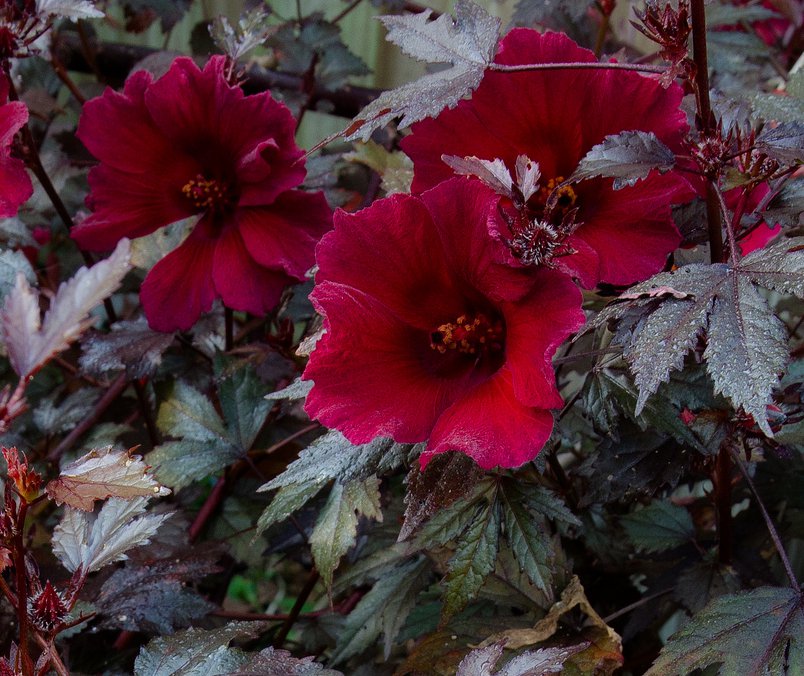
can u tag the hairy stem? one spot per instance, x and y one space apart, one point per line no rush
777 541
24 662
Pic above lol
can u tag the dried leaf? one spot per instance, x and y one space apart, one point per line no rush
626 157
481 661
29 345
573 596
103 473
90 541
754 632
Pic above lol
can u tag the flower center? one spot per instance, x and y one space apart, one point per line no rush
564 198
474 335
209 193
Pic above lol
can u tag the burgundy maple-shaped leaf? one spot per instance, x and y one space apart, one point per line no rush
468 43
30 343
100 474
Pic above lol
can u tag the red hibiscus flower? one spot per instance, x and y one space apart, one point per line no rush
428 337
15 185
191 144
554 118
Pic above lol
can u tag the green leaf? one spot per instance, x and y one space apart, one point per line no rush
473 561
287 500
778 107
659 526
188 413
332 456
242 398
195 652
449 523
383 609
179 463
131 345
756 632
530 540
336 528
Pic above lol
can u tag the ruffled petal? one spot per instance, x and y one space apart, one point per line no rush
241 282
490 425
133 205
284 235
370 378
180 286
535 326
15 185
227 131
12 116
392 251
118 130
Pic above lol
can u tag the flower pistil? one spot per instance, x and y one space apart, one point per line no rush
209 193
469 334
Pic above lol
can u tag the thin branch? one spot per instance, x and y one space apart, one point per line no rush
639 68
114 391
295 612
777 542
636 604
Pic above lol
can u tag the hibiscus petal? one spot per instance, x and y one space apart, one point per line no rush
463 211
407 270
203 114
242 283
133 205
15 185
180 286
284 234
490 425
373 357
12 116
118 130
535 326
631 229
